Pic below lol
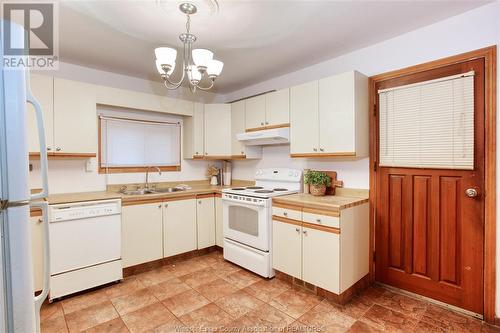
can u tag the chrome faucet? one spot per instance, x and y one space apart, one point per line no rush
147 175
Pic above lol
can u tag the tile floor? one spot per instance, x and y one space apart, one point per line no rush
205 294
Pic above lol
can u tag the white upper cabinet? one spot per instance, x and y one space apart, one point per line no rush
255 114
75 117
217 130
304 119
278 108
42 88
329 117
343 115
193 133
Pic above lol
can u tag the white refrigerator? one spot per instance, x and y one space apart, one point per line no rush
19 308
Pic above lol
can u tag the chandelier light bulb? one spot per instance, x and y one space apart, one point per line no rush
166 55
202 57
162 70
195 74
214 68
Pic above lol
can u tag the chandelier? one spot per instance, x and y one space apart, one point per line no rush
196 64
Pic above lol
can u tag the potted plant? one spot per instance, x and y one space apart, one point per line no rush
318 182
212 173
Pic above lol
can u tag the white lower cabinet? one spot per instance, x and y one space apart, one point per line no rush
205 216
179 227
142 237
287 248
219 235
37 250
321 259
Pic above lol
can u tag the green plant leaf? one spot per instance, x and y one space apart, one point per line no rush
317 178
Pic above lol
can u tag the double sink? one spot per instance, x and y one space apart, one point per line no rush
143 191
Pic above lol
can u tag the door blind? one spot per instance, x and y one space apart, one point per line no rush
428 124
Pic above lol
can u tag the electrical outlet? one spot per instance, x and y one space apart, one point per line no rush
89 166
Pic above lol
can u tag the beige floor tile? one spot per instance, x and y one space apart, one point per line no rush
208 318
200 277
216 289
149 318
450 320
168 288
225 267
266 290
134 301
327 317
409 306
53 325
185 302
127 286
84 300
113 326
264 319
51 310
355 308
91 316
388 320
242 278
295 302
361 327
155 276
239 303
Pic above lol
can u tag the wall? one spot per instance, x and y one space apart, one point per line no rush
71 175
469 31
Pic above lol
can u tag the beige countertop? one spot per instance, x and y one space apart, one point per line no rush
197 188
343 199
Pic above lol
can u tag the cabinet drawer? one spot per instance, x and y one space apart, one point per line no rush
329 221
287 213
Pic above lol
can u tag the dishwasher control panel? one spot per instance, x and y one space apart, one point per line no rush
83 210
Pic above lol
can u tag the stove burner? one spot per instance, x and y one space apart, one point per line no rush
264 191
280 189
254 187
237 189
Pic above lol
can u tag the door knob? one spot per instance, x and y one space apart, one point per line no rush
471 192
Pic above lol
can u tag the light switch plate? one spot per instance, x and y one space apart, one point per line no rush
89 166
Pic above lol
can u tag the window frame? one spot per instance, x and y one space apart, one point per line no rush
134 169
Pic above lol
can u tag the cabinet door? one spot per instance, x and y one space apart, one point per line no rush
255 113
42 88
142 239
321 259
179 227
205 217
219 236
37 251
304 124
75 117
217 129
278 107
336 114
287 251
237 126
198 129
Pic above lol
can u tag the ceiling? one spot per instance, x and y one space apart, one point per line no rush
256 40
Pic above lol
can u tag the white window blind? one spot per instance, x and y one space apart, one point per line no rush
135 143
428 124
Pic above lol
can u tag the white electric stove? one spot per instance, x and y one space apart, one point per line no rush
247 218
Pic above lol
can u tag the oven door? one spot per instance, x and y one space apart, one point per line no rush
247 223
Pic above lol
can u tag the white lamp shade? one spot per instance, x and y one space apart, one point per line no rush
166 55
202 57
195 74
215 67
161 71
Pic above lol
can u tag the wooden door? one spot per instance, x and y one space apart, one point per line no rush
429 233
75 117
304 122
205 218
278 107
287 248
255 115
141 233
179 227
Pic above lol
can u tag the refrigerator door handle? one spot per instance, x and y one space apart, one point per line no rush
41 137
44 206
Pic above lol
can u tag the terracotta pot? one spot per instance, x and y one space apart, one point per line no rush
317 190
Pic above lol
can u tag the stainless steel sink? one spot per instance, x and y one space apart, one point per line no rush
143 191
167 190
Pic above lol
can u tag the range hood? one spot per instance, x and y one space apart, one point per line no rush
274 136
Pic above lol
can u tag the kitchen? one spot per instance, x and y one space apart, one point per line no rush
130 187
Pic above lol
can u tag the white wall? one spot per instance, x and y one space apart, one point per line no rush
466 32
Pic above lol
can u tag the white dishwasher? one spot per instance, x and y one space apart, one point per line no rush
85 245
